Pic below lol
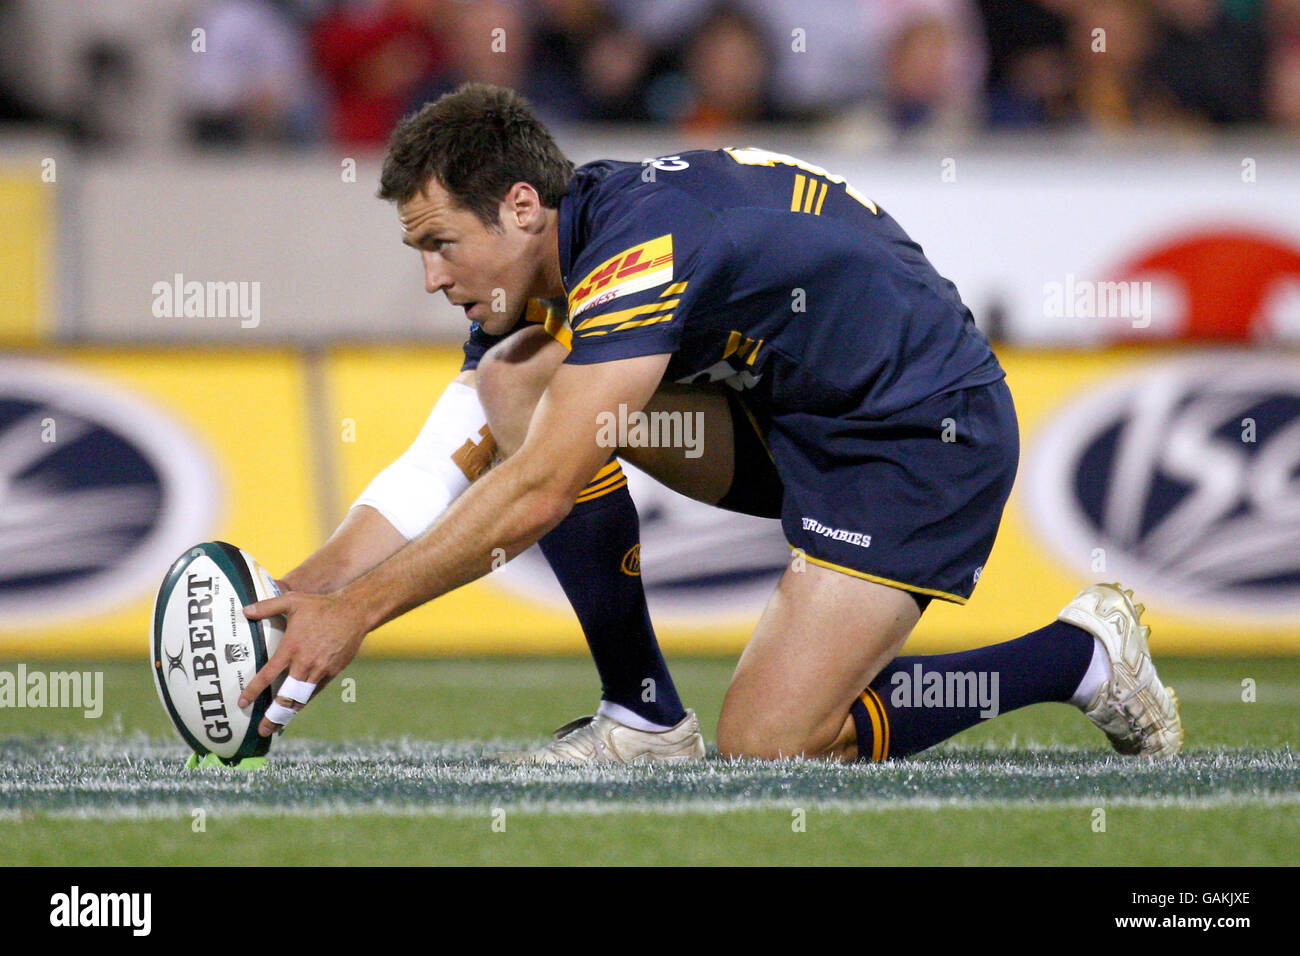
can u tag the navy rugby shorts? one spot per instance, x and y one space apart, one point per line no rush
913 500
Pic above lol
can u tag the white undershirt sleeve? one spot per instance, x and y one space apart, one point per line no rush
421 484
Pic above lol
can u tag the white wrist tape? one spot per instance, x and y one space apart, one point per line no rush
294 689
414 490
277 713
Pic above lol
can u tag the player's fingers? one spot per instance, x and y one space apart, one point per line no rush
278 715
269 726
295 689
264 678
269 608
292 696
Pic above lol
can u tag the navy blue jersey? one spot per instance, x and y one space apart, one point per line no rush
763 271
850 353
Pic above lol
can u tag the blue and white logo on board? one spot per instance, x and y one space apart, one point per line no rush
697 562
1182 480
98 491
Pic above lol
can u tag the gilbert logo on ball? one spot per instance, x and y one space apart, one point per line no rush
205 652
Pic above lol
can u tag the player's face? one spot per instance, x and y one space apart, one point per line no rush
488 271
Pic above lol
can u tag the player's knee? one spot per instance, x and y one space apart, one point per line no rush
492 382
498 382
510 379
767 740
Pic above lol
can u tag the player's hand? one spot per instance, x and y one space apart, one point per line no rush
321 638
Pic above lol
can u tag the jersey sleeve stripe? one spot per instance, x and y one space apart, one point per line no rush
623 315
653 320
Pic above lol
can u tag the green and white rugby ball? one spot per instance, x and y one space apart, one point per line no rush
204 651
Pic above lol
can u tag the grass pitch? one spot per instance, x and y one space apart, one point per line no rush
401 775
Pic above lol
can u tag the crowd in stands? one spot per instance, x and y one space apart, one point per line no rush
309 72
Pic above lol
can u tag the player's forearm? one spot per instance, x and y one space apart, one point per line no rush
363 539
501 515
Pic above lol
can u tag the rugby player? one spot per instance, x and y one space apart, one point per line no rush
844 388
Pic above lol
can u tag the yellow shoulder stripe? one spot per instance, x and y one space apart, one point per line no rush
623 315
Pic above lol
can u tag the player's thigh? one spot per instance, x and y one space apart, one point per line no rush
822 638
514 373
702 461
701 468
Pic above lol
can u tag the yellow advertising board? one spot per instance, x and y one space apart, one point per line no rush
26 241
1046 550
1169 470
122 459
1163 468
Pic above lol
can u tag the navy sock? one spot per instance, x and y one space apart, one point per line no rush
916 702
595 553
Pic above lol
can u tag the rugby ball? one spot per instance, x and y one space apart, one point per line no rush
204 651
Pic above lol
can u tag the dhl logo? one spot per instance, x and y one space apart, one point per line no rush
643 266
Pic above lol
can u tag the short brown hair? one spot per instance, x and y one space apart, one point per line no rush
476 142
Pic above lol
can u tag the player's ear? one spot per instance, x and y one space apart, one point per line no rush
524 207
